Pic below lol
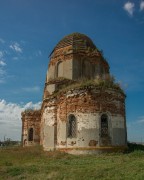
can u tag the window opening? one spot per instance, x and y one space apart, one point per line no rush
104 125
72 126
30 137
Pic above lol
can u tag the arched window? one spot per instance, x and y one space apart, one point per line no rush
72 126
104 125
30 134
60 69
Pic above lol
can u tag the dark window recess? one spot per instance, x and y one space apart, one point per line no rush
60 69
72 126
104 125
30 137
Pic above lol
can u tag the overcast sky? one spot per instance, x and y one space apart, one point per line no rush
29 30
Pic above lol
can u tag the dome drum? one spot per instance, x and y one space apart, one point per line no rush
99 117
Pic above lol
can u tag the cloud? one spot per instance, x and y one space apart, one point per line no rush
2 70
16 47
30 105
141 5
2 63
129 7
1 54
10 118
140 120
31 89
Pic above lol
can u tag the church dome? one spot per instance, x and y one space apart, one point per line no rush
76 40
75 57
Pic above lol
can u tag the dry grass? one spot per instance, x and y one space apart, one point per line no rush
99 83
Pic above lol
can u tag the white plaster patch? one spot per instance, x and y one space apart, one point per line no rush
61 131
117 122
50 108
87 120
51 88
48 117
25 131
71 95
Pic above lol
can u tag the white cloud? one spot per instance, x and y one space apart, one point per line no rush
30 105
141 5
2 70
140 120
31 89
10 118
1 54
16 47
129 7
2 63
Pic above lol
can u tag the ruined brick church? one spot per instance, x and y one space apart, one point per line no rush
83 109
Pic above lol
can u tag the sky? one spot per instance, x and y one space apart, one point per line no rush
30 29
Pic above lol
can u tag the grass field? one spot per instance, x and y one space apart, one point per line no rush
33 163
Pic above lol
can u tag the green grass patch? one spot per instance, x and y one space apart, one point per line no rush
33 163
